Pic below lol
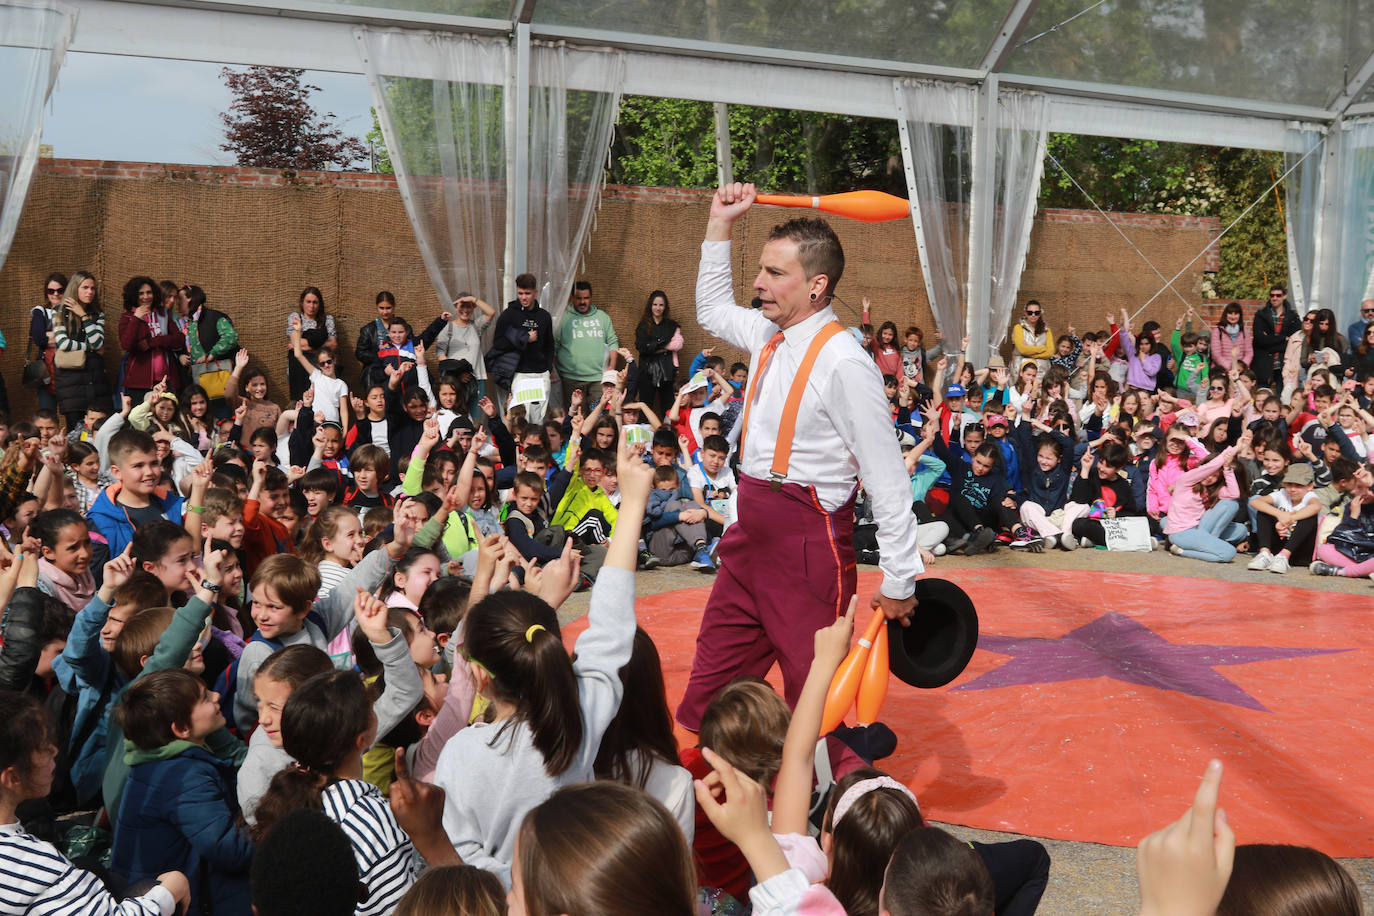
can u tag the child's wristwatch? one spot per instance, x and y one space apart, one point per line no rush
210 586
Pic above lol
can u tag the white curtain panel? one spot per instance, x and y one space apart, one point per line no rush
447 142
1302 217
1355 276
1022 129
450 144
937 119
33 41
570 139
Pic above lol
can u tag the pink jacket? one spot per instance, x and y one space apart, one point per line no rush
1187 508
1226 351
1164 480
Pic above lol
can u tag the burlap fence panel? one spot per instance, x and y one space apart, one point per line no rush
254 248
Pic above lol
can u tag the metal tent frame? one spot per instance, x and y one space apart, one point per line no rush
318 35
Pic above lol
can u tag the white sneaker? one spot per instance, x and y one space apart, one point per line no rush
1068 541
1176 550
1263 560
1279 565
939 549
1085 542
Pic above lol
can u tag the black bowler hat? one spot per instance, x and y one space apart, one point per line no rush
936 648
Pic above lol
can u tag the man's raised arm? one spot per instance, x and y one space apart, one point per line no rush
717 312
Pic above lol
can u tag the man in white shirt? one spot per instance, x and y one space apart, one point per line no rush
788 565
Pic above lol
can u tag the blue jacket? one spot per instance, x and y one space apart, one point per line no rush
1047 489
178 814
86 671
111 521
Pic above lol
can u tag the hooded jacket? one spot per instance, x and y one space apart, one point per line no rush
178 814
112 522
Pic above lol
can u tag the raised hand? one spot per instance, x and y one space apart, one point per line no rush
560 577
240 412
359 406
419 809
119 569
213 561
832 642
732 201
430 436
1184 868
489 408
308 399
240 359
479 438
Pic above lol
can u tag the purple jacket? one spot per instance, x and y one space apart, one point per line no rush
1140 370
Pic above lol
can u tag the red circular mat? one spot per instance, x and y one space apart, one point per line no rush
1095 700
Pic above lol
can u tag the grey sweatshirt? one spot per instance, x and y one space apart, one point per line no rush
403 690
493 775
337 610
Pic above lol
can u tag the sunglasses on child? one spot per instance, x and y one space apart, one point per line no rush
54 290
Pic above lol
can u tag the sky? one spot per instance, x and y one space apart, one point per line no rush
139 109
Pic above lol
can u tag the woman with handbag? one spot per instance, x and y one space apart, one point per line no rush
315 327
79 336
150 339
658 340
38 366
212 341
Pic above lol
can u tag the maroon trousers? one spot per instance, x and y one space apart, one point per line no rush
787 569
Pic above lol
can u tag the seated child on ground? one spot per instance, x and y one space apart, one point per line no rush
178 811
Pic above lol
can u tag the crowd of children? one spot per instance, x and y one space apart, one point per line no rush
1129 441
286 661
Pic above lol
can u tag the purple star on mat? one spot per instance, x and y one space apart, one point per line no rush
1120 647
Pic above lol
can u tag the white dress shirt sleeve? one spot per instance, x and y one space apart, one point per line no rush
862 416
717 312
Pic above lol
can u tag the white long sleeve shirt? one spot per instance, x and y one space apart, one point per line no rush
844 424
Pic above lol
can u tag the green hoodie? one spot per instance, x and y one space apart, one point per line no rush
583 341
134 755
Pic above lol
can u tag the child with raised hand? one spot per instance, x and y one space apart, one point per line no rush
326 724
550 712
639 748
286 670
38 879
178 812
286 613
1204 502
176 646
85 671
249 387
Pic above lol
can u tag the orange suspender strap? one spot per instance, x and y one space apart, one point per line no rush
782 454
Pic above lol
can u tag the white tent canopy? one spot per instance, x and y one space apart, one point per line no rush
1242 73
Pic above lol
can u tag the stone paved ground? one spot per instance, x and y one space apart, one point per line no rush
1087 879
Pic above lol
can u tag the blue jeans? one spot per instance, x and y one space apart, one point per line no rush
1208 540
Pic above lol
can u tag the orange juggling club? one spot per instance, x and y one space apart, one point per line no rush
869 206
873 687
844 686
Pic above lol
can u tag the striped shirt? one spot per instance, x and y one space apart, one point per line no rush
36 880
387 862
93 325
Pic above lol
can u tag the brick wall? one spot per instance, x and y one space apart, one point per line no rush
254 238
